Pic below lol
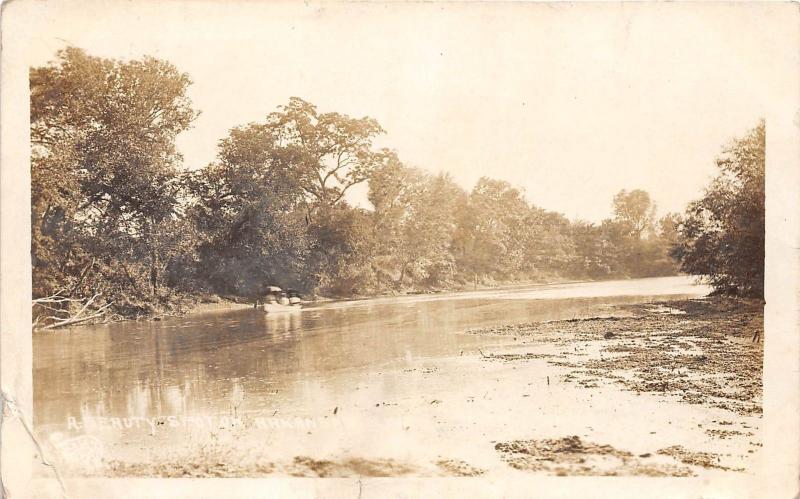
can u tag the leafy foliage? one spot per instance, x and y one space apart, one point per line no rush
105 182
271 209
722 234
116 214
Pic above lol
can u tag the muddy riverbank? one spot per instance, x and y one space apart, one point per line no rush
704 351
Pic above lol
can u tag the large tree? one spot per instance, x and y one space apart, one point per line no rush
327 153
105 181
250 231
272 207
414 222
393 188
722 234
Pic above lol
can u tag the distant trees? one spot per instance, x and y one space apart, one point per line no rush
722 234
636 245
501 237
630 244
634 211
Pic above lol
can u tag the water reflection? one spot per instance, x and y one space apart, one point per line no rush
246 361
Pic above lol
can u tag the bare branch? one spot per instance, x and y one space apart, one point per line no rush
76 319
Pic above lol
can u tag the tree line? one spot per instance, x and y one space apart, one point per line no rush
118 220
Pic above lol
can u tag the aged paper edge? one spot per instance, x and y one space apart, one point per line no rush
777 476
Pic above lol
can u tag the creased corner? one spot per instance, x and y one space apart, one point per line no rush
10 412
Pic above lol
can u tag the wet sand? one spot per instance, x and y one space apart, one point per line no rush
659 389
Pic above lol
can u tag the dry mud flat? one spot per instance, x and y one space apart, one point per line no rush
705 352
700 350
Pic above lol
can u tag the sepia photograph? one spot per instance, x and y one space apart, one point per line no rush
480 242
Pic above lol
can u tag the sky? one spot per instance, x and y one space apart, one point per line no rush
570 102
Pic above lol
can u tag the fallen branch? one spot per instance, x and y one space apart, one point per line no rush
57 297
57 305
86 305
54 299
76 319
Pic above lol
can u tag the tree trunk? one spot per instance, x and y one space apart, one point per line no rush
402 275
154 270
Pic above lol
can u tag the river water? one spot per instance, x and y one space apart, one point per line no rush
247 361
